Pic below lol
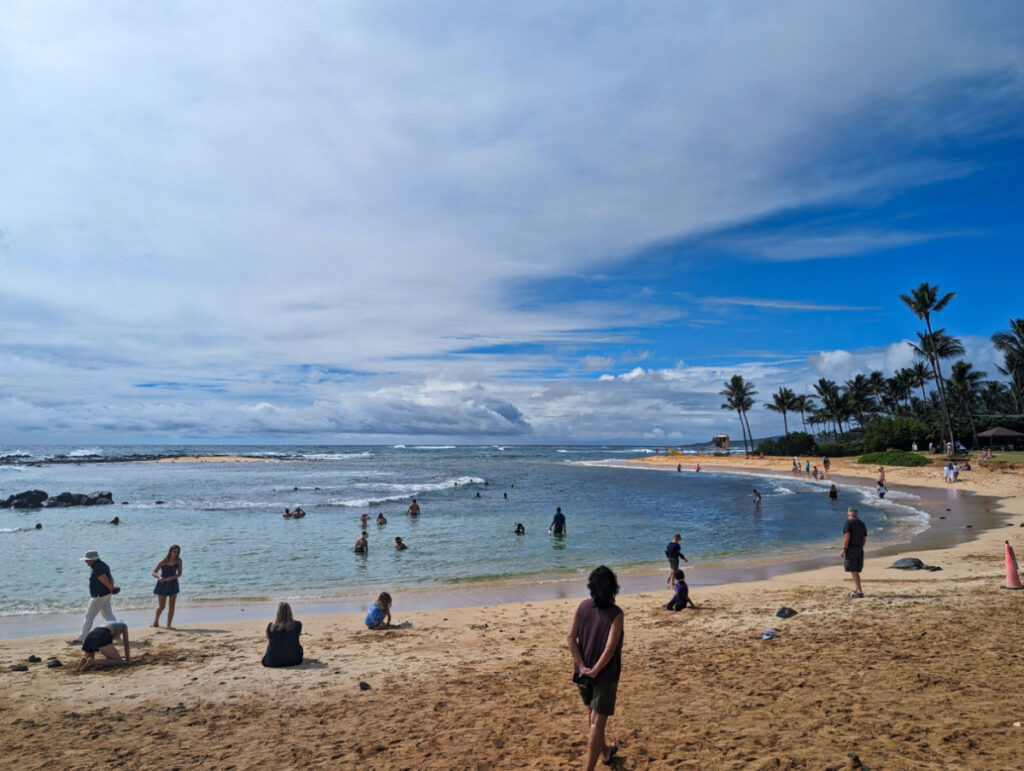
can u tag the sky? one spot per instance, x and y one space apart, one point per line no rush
535 222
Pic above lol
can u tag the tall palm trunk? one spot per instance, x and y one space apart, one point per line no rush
743 428
749 432
938 382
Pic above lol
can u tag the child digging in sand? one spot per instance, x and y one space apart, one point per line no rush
682 595
379 614
101 640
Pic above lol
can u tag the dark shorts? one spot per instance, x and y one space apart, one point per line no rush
854 560
96 639
673 562
602 700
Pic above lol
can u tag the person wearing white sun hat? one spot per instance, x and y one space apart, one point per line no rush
101 589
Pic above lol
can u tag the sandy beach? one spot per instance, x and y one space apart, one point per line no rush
924 672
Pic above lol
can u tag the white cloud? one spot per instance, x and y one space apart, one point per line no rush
238 199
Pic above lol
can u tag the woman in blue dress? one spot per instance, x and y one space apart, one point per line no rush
167 584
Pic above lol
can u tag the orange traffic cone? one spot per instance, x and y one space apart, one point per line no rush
1012 574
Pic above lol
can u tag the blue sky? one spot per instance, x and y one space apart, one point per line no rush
546 222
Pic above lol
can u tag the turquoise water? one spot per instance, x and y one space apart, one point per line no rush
235 545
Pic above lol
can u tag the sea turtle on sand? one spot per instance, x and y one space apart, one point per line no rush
912 563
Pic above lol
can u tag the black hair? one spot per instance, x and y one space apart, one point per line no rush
603 586
680 575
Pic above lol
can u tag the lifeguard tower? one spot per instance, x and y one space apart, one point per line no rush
721 444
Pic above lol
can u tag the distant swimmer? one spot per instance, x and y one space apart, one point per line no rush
399 545
287 513
478 495
833 493
363 519
381 519
506 496
557 525
757 498
363 544
115 521
39 525
698 468
414 508
520 530
298 513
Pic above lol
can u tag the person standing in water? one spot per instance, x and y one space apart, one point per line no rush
757 499
414 509
557 525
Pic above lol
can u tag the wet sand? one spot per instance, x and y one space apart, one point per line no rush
924 672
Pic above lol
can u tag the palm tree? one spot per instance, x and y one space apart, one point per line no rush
965 381
803 404
996 398
923 302
831 410
782 401
1011 345
936 346
858 395
920 374
739 395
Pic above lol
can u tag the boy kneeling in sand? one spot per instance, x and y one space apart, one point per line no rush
682 595
101 640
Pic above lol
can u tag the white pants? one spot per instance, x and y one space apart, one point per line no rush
96 605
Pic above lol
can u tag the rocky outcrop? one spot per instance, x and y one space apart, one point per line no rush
30 499
81 499
37 499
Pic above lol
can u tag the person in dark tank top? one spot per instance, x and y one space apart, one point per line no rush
595 640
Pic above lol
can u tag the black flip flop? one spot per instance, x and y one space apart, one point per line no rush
612 749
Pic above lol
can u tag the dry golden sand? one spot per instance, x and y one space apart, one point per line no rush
923 673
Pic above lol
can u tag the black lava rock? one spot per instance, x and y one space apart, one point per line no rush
364 686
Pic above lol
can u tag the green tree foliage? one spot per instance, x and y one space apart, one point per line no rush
899 433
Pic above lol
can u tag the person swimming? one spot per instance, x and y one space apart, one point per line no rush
520 530
362 544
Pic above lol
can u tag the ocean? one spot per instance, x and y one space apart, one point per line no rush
236 546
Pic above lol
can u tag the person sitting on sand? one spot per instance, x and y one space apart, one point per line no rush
363 543
682 596
414 508
520 530
399 546
101 640
381 519
379 614
833 493
283 648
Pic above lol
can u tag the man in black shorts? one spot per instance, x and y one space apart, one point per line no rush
855 533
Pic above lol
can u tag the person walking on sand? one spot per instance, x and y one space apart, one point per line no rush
167 584
557 525
855 534
673 551
595 641
414 509
101 589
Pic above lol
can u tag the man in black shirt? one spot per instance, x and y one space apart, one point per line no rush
101 589
557 525
855 533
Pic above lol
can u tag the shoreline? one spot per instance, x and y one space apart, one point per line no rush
939 534
920 673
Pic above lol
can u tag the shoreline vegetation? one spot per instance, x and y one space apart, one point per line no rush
921 673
